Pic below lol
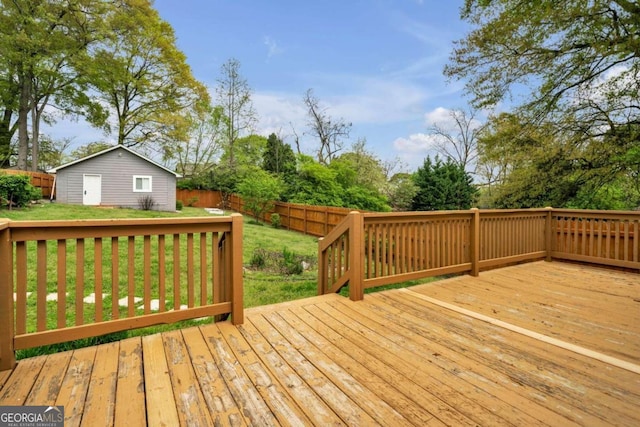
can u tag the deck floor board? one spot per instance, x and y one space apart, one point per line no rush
400 357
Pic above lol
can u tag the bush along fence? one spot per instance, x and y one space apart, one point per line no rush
312 220
374 249
40 180
67 280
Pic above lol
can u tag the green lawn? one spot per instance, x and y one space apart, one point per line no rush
261 286
52 211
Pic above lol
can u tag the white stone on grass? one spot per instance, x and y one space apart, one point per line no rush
124 302
214 211
15 296
91 298
154 305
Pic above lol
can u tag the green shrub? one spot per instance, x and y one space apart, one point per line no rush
258 259
17 191
290 262
146 203
179 205
286 262
276 222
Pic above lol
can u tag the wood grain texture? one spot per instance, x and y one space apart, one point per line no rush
436 354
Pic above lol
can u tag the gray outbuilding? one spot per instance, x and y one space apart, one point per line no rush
117 176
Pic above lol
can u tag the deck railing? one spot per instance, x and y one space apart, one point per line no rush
374 249
67 280
600 237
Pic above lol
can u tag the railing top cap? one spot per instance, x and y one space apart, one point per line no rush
120 222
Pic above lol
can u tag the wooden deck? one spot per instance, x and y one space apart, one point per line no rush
559 344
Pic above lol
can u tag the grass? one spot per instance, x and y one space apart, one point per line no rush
263 287
268 285
57 211
260 287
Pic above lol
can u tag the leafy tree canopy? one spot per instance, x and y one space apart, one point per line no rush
535 166
316 184
573 70
259 190
248 152
400 191
359 167
143 76
89 149
577 58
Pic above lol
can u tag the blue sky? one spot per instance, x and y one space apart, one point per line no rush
375 63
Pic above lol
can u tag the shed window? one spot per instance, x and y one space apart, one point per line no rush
141 184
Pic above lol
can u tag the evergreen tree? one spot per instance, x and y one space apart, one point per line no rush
278 157
443 186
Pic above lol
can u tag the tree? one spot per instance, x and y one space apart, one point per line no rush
360 167
564 53
260 190
144 78
400 191
52 152
89 149
278 157
333 185
197 155
442 186
234 95
223 178
330 132
535 166
578 65
361 176
42 41
316 184
457 138
249 151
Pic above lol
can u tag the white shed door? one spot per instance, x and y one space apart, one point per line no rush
91 189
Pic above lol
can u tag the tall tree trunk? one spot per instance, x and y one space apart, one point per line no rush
23 119
35 138
6 133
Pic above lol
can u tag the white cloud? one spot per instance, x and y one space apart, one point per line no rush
413 149
445 119
365 99
415 143
273 48
362 101
277 110
439 116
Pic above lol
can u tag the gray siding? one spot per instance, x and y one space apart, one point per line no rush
117 168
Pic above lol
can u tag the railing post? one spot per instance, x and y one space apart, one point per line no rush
322 269
7 355
356 256
547 233
475 242
237 304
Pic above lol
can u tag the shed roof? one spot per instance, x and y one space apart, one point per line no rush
107 150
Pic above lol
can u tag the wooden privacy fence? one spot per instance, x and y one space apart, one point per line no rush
199 198
40 180
66 280
373 249
311 220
